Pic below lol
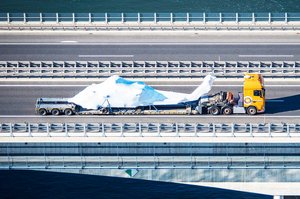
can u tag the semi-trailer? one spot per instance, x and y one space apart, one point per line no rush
250 101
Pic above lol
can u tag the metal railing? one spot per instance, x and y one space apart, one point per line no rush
148 17
124 27
13 69
188 162
149 21
149 130
157 161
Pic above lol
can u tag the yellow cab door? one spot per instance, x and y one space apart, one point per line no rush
258 99
254 94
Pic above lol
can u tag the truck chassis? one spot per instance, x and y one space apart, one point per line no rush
219 103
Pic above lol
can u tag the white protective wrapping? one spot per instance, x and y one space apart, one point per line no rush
119 92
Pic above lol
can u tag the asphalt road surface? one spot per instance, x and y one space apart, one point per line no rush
17 101
169 52
186 46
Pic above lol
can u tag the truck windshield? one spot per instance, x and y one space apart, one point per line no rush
263 93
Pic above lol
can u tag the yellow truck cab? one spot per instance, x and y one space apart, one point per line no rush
254 93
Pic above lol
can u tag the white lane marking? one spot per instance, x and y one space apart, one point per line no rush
151 116
146 43
105 56
69 41
270 100
220 85
266 55
153 85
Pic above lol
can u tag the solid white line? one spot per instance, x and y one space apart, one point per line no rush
150 116
69 41
266 55
161 85
221 85
145 43
153 85
105 56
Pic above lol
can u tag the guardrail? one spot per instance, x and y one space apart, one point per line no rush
150 28
148 17
154 161
149 130
14 69
188 162
149 21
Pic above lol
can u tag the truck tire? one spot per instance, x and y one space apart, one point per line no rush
138 111
227 110
55 111
251 110
215 110
68 112
42 111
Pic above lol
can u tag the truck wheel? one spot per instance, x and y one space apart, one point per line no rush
68 111
215 110
138 111
55 112
42 111
251 110
227 110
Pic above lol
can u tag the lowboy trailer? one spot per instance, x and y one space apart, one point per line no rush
250 101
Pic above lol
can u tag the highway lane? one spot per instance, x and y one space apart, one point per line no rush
121 37
151 51
17 103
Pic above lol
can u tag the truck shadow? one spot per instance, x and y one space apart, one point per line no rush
283 104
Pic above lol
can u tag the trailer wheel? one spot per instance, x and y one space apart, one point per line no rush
42 111
105 111
251 110
55 111
68 111
215 110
